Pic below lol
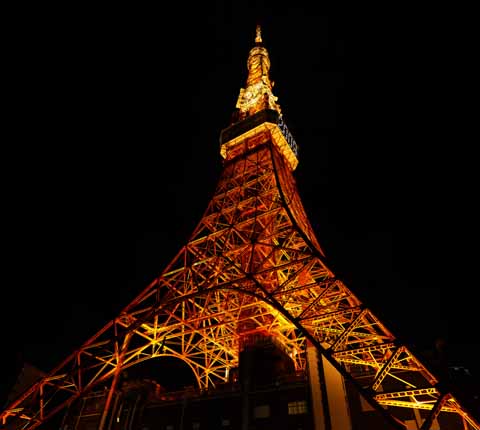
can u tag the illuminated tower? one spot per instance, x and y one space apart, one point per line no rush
253 269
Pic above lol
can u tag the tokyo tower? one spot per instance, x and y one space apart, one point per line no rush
251 274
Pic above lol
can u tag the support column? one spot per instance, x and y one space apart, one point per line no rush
337 397
315 388
329 396
120 352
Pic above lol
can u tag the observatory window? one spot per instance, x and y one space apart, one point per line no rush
262 411
297 408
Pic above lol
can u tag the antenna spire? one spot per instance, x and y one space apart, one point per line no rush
258 36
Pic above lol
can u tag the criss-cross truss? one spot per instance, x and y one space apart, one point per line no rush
252 264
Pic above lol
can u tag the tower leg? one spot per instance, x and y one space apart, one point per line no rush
108 402
315 388
337 397
329 397
116 376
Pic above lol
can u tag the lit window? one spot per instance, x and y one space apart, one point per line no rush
262 411
297 408
169 427
195 426
225 422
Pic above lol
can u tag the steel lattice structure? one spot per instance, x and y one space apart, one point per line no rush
252 265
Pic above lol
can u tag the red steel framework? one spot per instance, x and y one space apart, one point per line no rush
252 265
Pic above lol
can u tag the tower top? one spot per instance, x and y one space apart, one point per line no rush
258 116
257 94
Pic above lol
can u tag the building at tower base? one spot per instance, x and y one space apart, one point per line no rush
265 392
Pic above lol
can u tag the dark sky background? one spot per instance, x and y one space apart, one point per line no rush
113 155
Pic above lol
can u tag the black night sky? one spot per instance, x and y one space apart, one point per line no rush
113 155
